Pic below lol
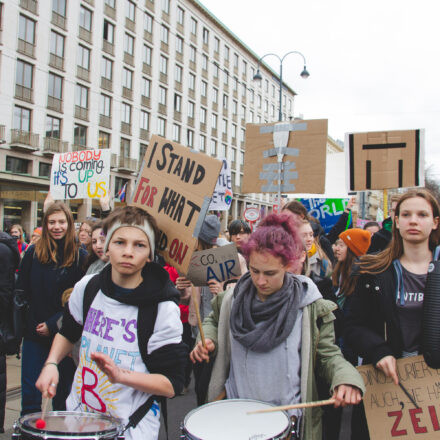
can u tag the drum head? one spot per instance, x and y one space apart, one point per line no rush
71 424
228 419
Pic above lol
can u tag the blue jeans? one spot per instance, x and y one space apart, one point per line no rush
34 356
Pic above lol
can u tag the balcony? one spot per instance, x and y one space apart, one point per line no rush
127 93
54 146
178 86
203 100
205 73
149 4
145 101
24 140
148 36
105 121
225 137
90 2
216 56
55 104
192 93
164 47
163 78
214 106
109 11
144 134
128 59
30 5
78 147
130 25
190 122
24 93
82 73
192 66
203 127
81 113
193 38
58 20
166 17
2 134
214 132
179 57
108 47
146 68
85 35
26 48
124 164
180 28
56 61
226 63
106 84
178 116
126 128
225 112
162 109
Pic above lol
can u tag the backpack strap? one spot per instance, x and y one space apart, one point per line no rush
436 253
90 292
400 288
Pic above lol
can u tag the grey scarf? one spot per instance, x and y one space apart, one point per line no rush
261 326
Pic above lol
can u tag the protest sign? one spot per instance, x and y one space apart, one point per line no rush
390 414
219 264
175 185
327 211
222 195
80 174
385 159
303 144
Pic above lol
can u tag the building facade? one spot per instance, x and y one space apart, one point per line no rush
84 74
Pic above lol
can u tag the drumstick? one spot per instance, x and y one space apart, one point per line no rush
295 406
43 413
199 320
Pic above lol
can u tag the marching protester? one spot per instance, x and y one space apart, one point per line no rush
277 324
85 233
137 299
384 319
239 232
96 258
17 232
48 268
372 227
36 235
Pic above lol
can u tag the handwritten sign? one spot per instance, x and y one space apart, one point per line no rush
80 174
219 264
327 211
175 186
222 195
390 414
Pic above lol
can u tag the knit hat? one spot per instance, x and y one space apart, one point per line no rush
210 229
38 231
357 240
146 228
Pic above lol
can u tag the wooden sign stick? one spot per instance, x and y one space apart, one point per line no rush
199 320
295 406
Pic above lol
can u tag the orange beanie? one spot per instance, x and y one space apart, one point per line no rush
357 240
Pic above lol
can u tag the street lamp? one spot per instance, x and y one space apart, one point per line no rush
258 77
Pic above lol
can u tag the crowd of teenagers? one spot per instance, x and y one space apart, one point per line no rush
110 328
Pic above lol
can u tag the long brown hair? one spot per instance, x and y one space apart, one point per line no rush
342 275
20 229
92 257
374 264
46 247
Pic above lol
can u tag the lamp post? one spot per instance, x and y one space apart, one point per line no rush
257 77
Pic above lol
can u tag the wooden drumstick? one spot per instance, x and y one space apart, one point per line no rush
199 320
295 406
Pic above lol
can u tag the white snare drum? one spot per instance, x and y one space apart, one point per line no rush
68 425
228 419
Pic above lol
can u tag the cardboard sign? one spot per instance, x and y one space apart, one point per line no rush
219 264
385 159
327 211
390 414
80 174
303 144
222 195
175 185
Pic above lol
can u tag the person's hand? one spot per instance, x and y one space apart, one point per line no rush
48 380
215 287
201 354
388 365
351 202
346 395
107 366
183 283
48 201
42 329
104 202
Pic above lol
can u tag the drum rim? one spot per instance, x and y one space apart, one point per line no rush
116 429
193 437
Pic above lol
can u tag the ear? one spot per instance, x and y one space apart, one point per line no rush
396 221
436 220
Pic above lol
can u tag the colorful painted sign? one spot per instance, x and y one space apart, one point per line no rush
222 195
327 211
80 174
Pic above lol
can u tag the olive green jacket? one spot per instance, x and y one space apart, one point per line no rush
319 354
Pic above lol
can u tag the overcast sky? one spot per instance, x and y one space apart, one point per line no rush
374 65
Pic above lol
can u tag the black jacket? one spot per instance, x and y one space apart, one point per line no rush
372 324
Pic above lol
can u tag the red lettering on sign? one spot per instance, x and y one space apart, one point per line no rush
88 388
177 252
394 430
415 421
434 418
140 187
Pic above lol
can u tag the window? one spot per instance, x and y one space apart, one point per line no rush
80 135
44 169
202 143
147 54
236 59
26 30
234 131
180 15
103 139
81 96
225 126
266 86
83 57
204 62
59 6
125 148
213 147
24 74
216 45
243 112
243 90
223 151
259 101
234 107
251 116
203 115
163 65
55 89
225 77
226 53
191 81
214 121
176 132
56 44
204 89
244 67
85 18
128 44
105 105
190 138
178 73
266 105
164 34
166 6
162 95
251 93
242 137
216 70
148 23
214 95
127 78
192 54
145 87
273 91
205 36
161 126
126 113
110 3
16 165
145 120
53 127
191 107
193 26
106 68
235 84
177 102
130 10
225 101
108 32
179 44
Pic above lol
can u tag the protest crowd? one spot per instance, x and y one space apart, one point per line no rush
107 326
